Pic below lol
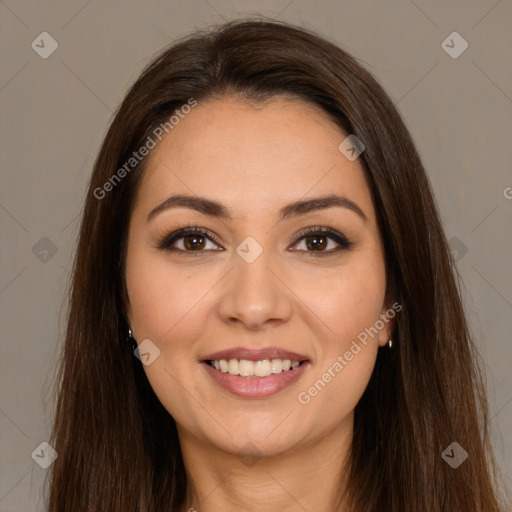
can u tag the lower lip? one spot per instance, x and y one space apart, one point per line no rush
256 387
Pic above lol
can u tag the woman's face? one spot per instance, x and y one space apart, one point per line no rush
249 284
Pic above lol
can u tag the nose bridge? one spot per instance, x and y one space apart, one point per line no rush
254 294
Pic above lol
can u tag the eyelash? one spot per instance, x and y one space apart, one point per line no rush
342 241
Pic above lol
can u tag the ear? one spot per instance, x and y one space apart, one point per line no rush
387 317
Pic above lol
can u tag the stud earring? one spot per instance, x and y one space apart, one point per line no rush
131 339
390 342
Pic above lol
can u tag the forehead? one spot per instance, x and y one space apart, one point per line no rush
253 157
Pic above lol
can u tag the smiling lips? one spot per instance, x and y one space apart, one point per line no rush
255 373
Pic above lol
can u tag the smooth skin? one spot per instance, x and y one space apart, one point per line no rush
256 159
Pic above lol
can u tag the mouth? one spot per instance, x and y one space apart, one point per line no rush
255 373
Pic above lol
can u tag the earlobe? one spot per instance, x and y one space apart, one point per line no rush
385 334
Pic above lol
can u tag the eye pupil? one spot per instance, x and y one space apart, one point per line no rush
197 241
315 245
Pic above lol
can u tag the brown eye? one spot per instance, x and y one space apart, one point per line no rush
189 240
316 242
192 242
322 241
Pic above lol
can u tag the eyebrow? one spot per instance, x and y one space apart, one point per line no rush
213 208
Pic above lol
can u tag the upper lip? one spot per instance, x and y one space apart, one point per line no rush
255 354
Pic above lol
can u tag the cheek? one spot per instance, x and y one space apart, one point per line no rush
349 301
163 296
347 350
349 305
166 305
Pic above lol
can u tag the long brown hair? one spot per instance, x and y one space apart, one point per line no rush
118 447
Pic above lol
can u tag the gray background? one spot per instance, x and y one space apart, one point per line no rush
56 110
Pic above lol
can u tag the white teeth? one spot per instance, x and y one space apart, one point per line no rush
262 368
233 367
246 368
277 365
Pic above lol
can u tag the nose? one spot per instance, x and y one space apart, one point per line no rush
255 294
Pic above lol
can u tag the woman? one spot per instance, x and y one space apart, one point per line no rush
264 313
